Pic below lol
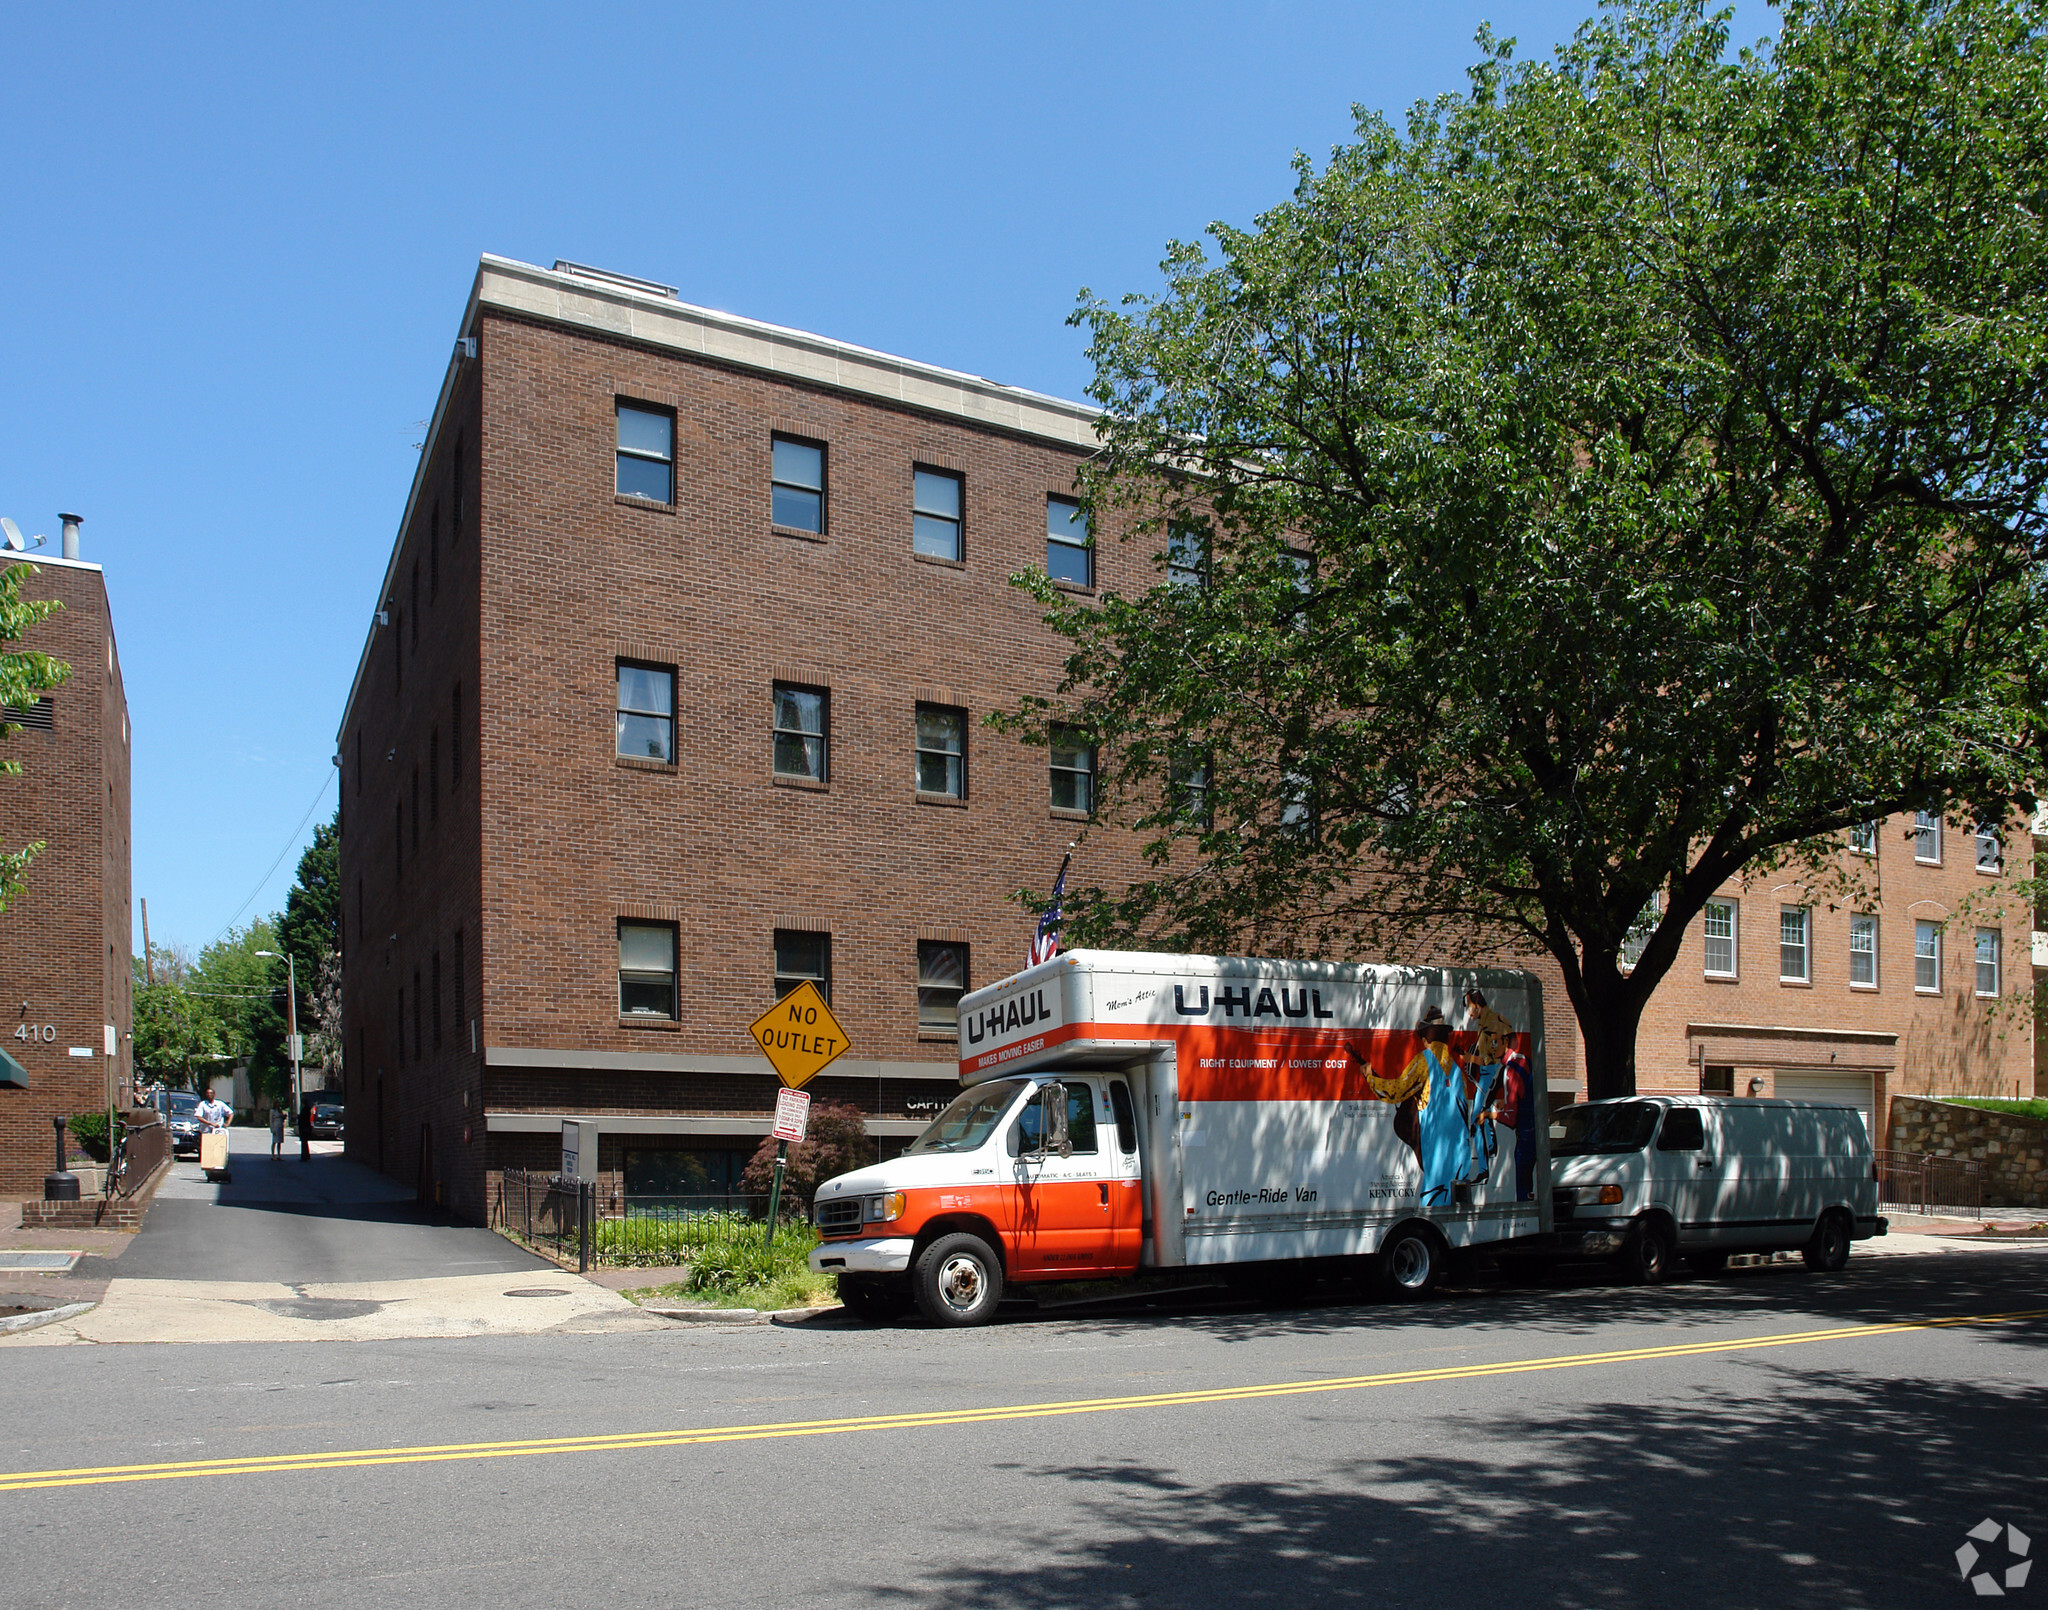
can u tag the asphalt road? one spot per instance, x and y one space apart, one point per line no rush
1591 1445
292 1220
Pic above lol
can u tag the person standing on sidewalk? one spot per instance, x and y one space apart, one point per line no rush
276 1131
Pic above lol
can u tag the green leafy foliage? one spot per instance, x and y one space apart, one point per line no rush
89 1129
25 675
835 1142
310 931
1629 473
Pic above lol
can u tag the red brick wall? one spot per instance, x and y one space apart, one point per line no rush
64 944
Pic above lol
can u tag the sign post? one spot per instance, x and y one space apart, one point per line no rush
799 1036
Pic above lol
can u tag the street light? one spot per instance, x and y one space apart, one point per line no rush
292 1040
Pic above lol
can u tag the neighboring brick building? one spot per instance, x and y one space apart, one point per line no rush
1916 982
64 943
805 615
674 696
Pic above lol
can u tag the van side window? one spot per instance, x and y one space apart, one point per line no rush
1126 1118
1682 1131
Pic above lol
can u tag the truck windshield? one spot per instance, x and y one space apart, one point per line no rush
1603 1128
182 1105
974 1114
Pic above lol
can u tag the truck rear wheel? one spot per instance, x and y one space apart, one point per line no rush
958 1280
1828 1251
1411 1262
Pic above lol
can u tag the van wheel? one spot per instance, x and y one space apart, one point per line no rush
1828 1251
1411 1263
1645 1258
958 1280
1706 1263
876 1301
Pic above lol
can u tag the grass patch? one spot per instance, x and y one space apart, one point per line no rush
2024 1107
737 1270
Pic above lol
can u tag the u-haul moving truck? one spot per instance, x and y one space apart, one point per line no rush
1126 1111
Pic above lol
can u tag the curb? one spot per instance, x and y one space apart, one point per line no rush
739 1316
47 1316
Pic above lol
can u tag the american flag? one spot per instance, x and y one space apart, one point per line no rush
1045 944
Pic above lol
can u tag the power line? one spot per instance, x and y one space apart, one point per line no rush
281 854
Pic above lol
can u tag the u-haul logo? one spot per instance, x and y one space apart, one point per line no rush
1022 1011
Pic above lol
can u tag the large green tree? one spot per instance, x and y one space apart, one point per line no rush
25 675
1629 472
309 931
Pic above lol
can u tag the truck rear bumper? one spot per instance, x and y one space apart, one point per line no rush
886 1257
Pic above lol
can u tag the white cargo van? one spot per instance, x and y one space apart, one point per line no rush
1651 1178
1128 1111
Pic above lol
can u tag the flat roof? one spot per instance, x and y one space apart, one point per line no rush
622 308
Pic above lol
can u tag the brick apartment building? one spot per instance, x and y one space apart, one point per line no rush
672 698
64 943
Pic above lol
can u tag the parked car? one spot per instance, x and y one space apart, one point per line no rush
326 1120
181 1116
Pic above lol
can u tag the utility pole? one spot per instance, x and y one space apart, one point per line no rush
291 969
148 956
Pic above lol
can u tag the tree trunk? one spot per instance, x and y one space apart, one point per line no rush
1608 1019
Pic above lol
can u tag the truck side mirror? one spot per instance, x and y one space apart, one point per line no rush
1052 1127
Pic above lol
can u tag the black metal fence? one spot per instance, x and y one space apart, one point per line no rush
545 1210
665 1230
569 1218
1919 1182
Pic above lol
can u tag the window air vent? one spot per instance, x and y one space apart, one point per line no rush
38 717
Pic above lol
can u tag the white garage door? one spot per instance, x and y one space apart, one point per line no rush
1840 1089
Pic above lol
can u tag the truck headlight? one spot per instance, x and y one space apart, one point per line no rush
1605 1195
881 1209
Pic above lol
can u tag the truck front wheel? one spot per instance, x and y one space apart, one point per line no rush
1410 1264
958 1280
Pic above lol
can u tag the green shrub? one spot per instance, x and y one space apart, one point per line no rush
89 1129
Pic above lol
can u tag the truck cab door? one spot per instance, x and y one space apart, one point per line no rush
1064 1209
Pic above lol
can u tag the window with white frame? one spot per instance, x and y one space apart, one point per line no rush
935 514
1987 961
941 981
1187 557
1927 957
1927 838
1863 838
647 711
1990 848
796 497
1863 950
1717 923
1069 547
645 453
941 751
802 732
1795 944
1637 939
647 969
1073 772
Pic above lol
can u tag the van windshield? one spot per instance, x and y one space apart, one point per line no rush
1602 1128
181 1104
973 1116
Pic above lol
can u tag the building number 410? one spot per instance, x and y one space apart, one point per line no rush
35 1031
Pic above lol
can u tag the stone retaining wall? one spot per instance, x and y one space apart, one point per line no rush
2012 1150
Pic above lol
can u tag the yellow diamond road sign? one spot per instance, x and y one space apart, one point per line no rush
799 1035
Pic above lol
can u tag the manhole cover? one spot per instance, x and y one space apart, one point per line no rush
537 1291
50 1263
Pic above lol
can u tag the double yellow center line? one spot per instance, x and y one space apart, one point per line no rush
616 1442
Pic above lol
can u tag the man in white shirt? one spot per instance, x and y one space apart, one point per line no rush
215 1113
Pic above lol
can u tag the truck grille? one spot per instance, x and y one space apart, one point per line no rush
1562 1206
841 1217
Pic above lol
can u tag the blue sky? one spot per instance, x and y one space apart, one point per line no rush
235 245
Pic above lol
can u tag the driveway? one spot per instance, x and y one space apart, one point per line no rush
322 1249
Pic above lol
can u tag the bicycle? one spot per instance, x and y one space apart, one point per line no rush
118 1183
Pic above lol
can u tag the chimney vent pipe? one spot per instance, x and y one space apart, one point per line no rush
71 525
